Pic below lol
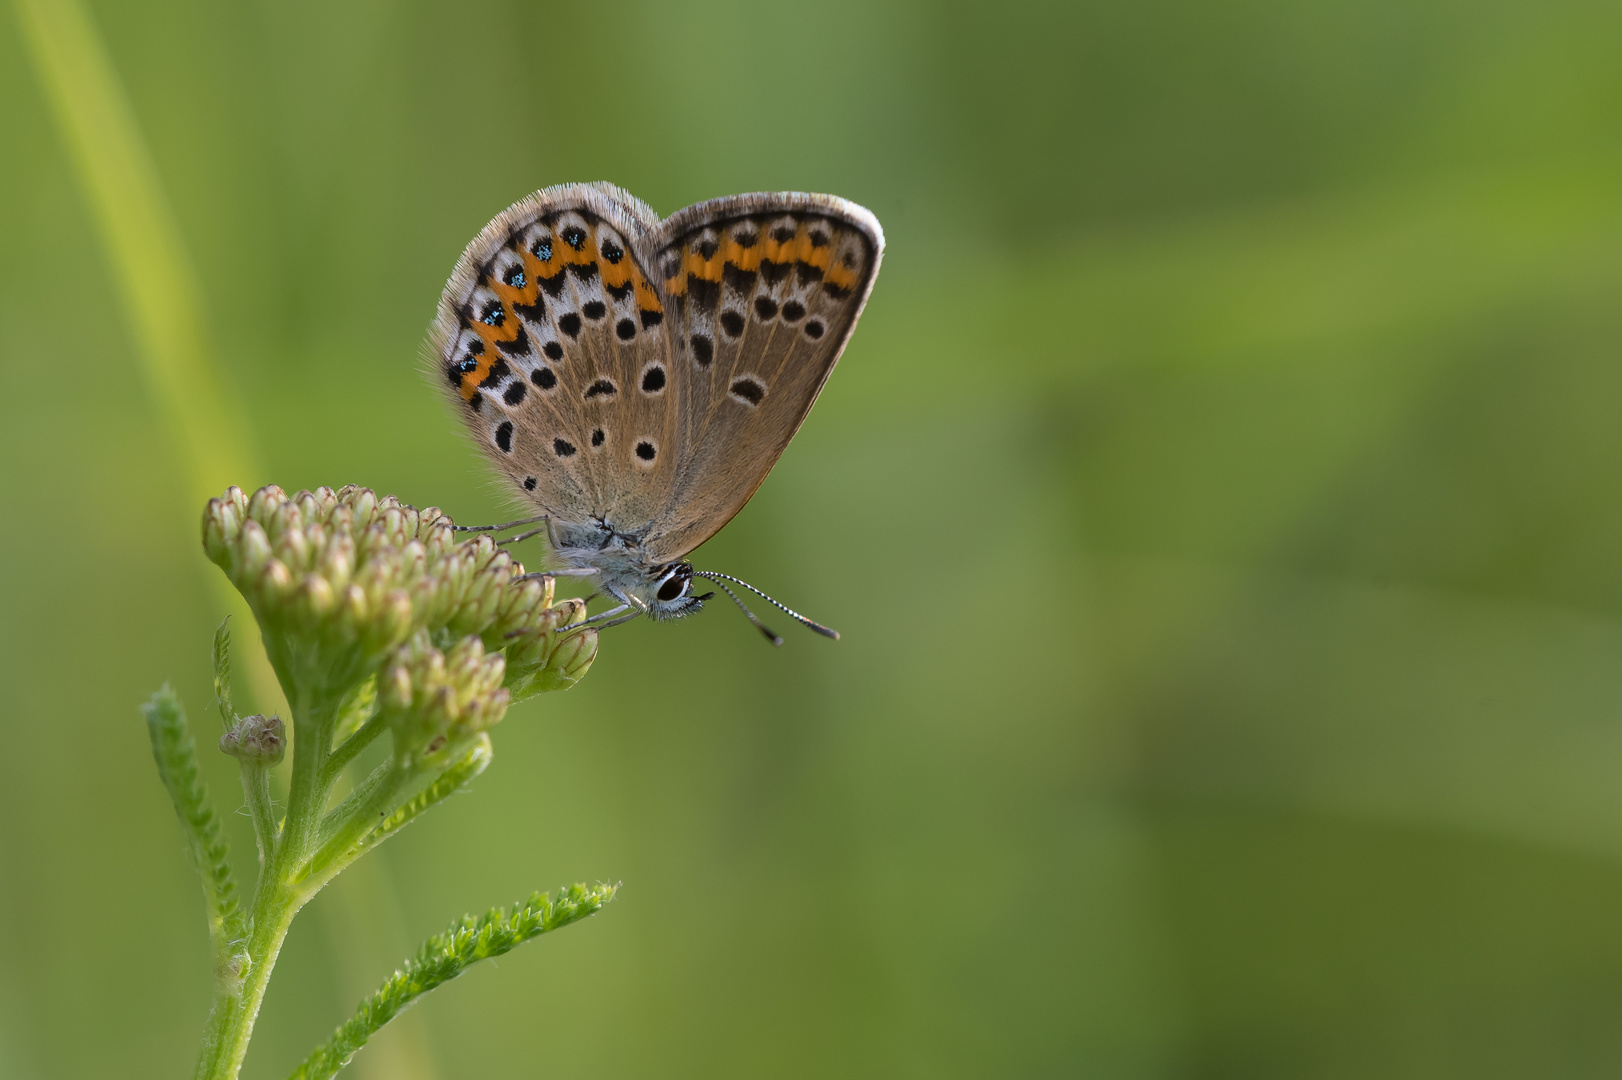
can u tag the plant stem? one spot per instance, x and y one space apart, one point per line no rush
256 789
278 895
360 740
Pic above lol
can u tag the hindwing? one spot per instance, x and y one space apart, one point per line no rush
646 374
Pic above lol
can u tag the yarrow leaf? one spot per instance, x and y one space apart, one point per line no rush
176 755
445 956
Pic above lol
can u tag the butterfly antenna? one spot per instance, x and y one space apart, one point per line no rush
762 627
811 624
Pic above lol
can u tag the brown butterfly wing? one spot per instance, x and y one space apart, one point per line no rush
761 293
551 340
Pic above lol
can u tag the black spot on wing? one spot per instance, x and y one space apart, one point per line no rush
765 308
583 271
504 436
625 329
703 350
749 390
619 292
814 328
793 311
653 380
529 483
652 318
601 388
731 322
774 272
553 350
518 346
570 324
706 294
807 274
741 282
553 285
645 450
544 377
594 310
563 447
515 393
498 371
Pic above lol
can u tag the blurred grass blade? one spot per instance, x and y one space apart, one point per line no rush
447 955
176 756
150 268
152 273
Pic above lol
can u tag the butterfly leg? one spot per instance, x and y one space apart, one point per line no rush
616 622
597 619
583 571
521 537
627 602
614 616
503 525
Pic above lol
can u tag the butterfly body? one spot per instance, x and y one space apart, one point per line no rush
636 379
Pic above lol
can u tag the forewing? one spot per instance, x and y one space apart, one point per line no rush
761 292
550 339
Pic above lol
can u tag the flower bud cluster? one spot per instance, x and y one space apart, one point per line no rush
360 577
434 701
343 565
257 739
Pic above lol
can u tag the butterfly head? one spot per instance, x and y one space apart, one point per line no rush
670 593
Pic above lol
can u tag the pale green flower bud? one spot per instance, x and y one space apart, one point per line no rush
549 654
253 552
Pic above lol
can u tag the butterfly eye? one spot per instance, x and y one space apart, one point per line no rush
492 314
673 587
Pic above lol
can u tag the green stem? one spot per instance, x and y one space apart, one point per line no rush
256 789
279 894
365 809
353 745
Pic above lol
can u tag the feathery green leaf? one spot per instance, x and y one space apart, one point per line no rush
176 755
447 955
222 673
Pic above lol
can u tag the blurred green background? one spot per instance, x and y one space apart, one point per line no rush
1220 501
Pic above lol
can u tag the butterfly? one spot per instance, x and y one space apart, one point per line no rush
636 379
